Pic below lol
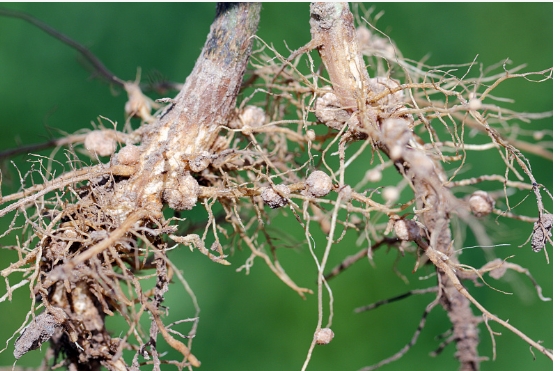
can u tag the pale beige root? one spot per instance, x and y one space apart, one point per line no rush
83 267
374 107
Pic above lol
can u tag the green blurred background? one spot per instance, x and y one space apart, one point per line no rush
255 322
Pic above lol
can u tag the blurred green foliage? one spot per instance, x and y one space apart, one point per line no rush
255 322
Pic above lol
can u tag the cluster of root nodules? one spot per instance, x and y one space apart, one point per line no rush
83 268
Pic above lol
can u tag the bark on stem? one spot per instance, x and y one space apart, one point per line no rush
332 28
190 125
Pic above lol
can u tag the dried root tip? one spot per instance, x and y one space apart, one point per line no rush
481 203
407 230
324 336
318 184
100 143
129 155
273 199
541 232
40 330
181 193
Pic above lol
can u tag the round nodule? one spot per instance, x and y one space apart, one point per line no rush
273 199
481 203
324 336
318 183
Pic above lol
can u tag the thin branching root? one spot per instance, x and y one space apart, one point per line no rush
94 241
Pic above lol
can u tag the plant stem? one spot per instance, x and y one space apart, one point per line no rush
205 104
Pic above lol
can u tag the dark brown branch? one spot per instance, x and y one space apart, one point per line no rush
395 298
28 148
442 346
349 261
410 344
88 55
